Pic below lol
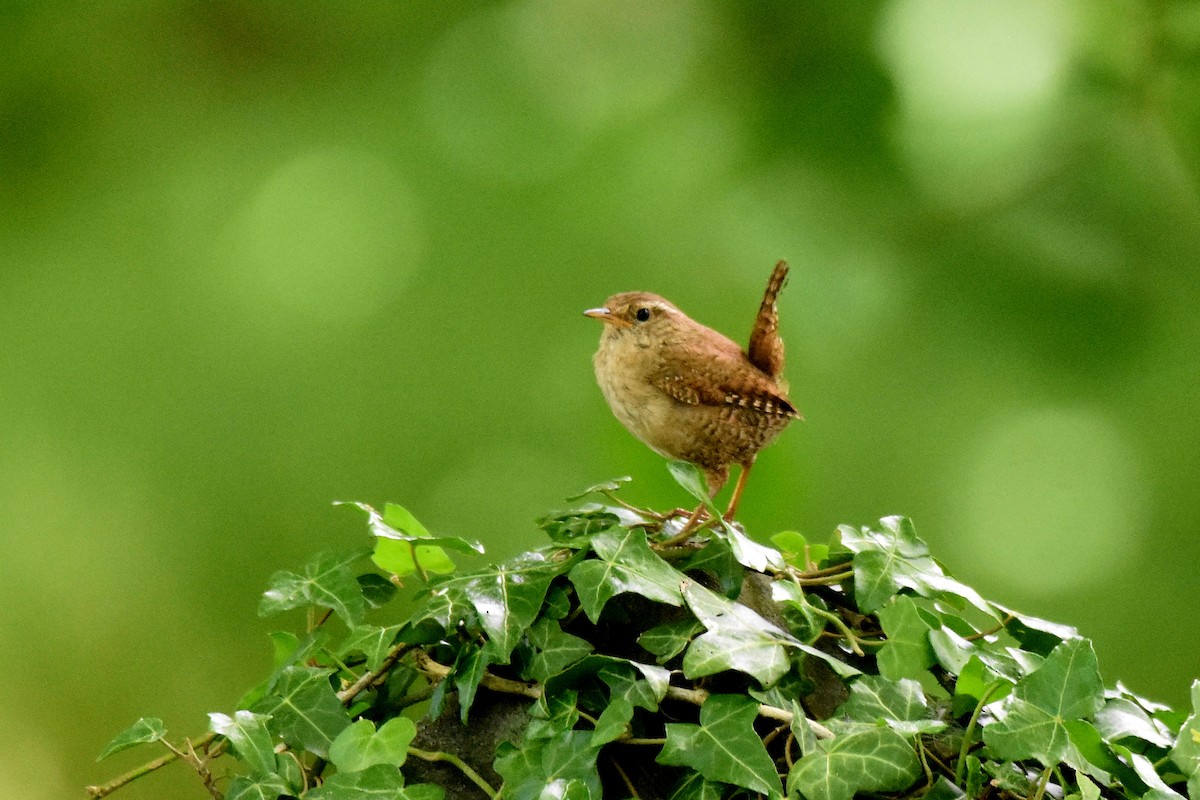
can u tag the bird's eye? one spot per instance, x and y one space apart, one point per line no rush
642 314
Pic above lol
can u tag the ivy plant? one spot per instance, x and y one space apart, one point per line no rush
618 661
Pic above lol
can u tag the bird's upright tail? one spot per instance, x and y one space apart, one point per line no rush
766 348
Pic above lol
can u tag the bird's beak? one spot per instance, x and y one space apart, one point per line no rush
602 314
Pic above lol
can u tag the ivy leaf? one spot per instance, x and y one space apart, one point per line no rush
669 639
327 582
304 711
575 527
627 690
377 590
381 782
259 787
689 476
898 704
372 641
397 530
1036 635
360 746
1065 687
1186 751
604 487
750 553
555 649
908 652
694 786
469 669
1121 718
724 746
893 558
624 563
563 766
506 597
145 730
716 559
248 734
865 759
738 638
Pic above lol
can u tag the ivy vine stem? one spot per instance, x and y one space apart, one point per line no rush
969 733
462 766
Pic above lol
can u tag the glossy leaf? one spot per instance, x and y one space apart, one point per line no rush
555 649
304 710
898 704
1065 687
1121 719
360 746
372 641
864 759
506 598
145 730
1186 750
738 638
624 563
907 652
248 734
669 639
259 787
326 582
560 767
893 558
381 782
724 746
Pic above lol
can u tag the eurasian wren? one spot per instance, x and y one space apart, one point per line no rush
687 391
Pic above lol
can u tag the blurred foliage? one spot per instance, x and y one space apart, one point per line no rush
260 256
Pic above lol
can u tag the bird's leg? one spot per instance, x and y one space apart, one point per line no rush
737 489
716 480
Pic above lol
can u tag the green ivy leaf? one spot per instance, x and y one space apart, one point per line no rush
506 597
304 710
750 553
563 766
145 730
604 487
738 638
327 582
669 639
1065 687
377 590
716 560
865 759
624 563
1186 750
555 649
575 527
360 746
694 786
689 476
898 704
724 746
1121 718
397 530
260 787
627 690
893 558
372 641
381 782
248 734
907 652
469 669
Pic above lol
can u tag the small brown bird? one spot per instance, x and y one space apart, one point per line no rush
689 392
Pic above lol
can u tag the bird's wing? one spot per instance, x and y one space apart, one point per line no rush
719 377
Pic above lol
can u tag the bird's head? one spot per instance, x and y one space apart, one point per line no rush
646 316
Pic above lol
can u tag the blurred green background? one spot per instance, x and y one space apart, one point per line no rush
260 256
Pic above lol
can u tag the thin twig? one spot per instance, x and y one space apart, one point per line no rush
633 792
348 694
103 790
